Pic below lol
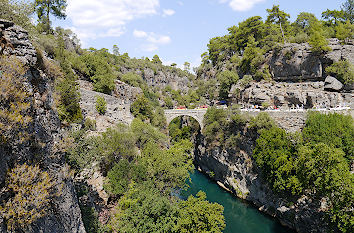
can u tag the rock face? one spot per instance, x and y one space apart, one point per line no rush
162 78
332 84
285 95
296 62
235 169
64 214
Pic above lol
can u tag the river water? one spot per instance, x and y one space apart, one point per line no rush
239 216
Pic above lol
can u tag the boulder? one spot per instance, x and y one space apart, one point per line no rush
332 84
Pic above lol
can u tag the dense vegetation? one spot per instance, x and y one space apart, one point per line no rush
315 163
142 184
241 53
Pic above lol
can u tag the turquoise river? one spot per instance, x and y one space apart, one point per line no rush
239 216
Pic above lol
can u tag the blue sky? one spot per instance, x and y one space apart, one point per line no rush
176 30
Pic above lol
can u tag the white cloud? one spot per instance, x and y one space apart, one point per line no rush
241 5
168 12
101 18
153 40
139 34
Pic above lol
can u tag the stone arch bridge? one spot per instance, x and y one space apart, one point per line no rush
197 114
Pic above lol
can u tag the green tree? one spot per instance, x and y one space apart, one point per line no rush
101 105
333 17
252 57
274 154
305 21
17 11
317 39
156 60
116 50
142 108
226 79
187 66
45 8
332 129
348 8
196 214
275 15
344 31
144 209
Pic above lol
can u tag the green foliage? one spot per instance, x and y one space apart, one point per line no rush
226 79
333 129
101 105
141 108
261 121
144 209
31 193
132 79
120 176
90 220
196 214
156 60
348 9
215 120
343 71
345 31
168 168
145 133
274 154
317 40
14 100
252 57
317 165
45 8
18 12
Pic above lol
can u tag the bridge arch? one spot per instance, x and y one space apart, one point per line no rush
197 114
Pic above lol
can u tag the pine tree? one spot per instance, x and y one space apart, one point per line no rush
45 8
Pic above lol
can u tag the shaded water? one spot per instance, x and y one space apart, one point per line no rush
239 216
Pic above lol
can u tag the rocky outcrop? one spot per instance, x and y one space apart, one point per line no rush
44 132
296 62
162 78
286 95
332 84
236 171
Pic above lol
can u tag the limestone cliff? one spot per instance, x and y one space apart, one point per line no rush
235 169
41 147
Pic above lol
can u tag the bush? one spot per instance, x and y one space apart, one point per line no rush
32 192
141 108
132 79
226 79
120 176
14 100
343 71
261 121
101 105
90 124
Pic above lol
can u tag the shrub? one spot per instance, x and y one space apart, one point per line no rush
141 108
226 79
90 124
261 121
101 105
301 37
245 81
14 99
343 71
32 191
132 79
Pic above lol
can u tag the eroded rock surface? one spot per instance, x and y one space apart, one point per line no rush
64 215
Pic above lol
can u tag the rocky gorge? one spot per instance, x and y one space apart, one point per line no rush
299 79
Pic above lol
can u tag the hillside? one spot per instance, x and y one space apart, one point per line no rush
85 145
